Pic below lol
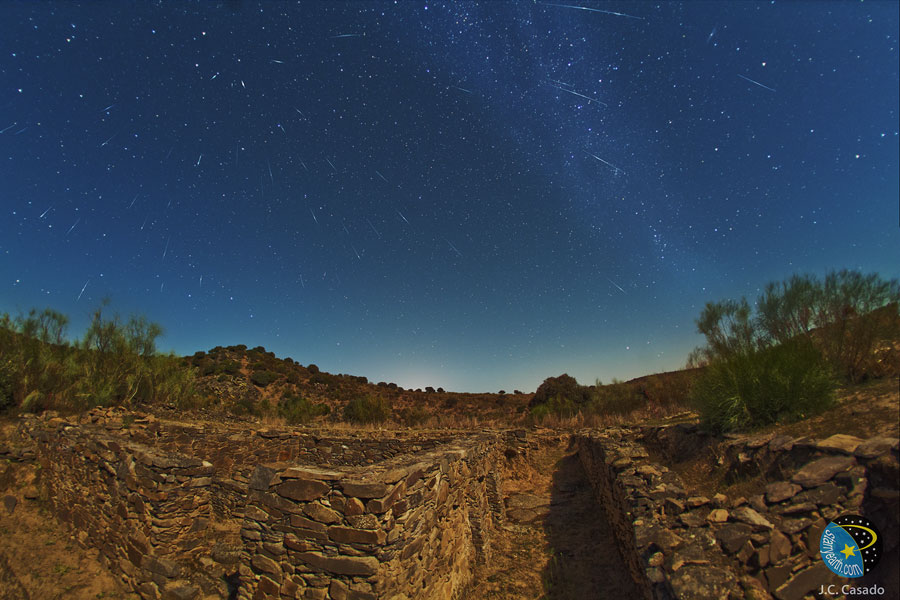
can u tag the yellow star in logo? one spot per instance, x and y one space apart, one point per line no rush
848 551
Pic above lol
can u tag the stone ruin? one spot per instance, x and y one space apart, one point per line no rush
183 511
187 511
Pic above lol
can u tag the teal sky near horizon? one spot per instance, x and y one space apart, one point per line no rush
475 196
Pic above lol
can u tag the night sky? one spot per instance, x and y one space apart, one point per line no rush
472 196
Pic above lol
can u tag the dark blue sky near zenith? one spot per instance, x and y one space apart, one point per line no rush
468 195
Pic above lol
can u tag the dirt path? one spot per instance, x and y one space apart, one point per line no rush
556 544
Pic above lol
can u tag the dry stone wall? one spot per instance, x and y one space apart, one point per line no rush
189 512
761 546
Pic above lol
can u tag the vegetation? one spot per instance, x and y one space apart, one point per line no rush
784 362
115 363
296 409
367 409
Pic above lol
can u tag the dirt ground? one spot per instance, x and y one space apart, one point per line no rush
39 557
557 545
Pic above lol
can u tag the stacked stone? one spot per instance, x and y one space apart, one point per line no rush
146 513
759 547
411 530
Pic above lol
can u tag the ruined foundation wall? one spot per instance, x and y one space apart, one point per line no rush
761 546
411 523
413 530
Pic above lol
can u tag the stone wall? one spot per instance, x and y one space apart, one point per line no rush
185 511
759 546
414 529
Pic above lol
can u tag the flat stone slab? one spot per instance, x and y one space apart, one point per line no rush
841 443
819 471
781 491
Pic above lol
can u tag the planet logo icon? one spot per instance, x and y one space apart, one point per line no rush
850 545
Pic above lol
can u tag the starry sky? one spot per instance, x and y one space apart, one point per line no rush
475 196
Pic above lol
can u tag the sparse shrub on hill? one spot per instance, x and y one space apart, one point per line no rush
779 383
115 363
412 416
263 378
367 409
782 363
296 409
558 406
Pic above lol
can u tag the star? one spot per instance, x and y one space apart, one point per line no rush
848 551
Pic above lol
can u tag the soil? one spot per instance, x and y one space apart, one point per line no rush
40 558
557 545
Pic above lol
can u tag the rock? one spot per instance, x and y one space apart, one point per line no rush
732 537
874 447
819 471
317 512
342 565
648 471
695 501
302 490
824 495
840 442
754 589
692 518
781 491
719 500
656 559
9 503
779 546
717 515
746 551
776 575
180 591
264 564
751 517
699 582
653 533
674 506
781 443
804 582
30 493
364 489
800 508
792 526
758 502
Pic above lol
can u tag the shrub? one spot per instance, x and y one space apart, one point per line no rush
557 406
367 409
779 383
263 378
565 387
296 409
312 368
412 416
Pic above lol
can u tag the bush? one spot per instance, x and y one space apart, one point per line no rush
263 378
296 409
367 409
780 383
564 387
557 406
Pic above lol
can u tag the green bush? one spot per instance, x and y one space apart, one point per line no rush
263 378
557 406
367 409
296 409
761 387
